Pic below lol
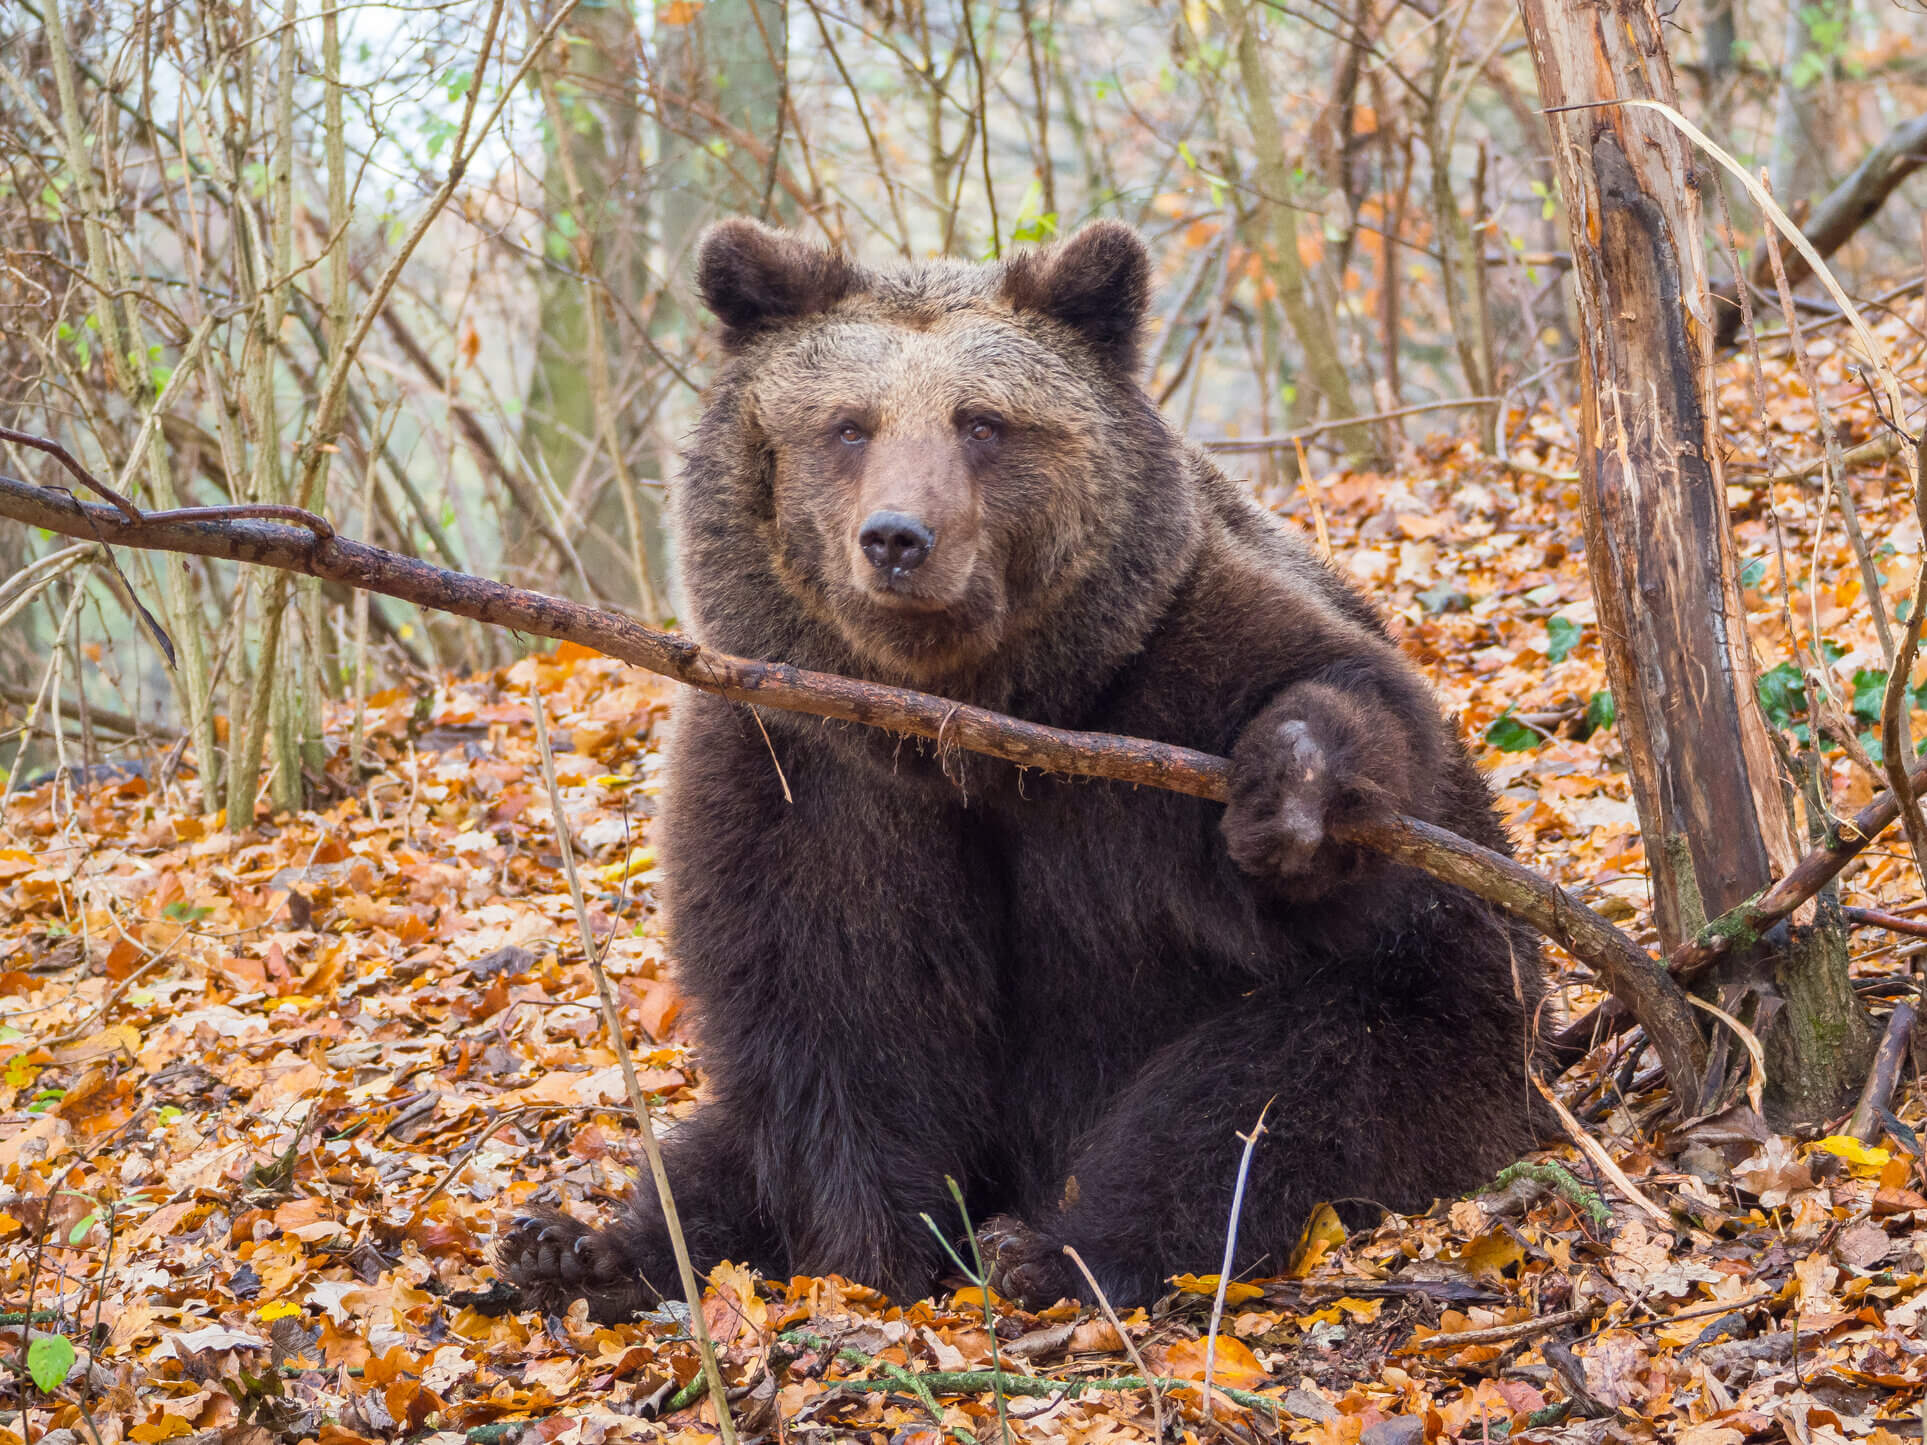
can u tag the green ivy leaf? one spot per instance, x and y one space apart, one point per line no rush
1600 713
49 1358
1509 735
1562 635
1869 692
1783 694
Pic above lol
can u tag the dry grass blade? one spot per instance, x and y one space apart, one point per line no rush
1596 1152
639 1106
1874 352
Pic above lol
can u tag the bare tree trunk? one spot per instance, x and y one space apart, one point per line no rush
1713 811
576 422
1313 322
719 67
1814 32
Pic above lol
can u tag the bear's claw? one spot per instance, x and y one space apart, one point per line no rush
554 1260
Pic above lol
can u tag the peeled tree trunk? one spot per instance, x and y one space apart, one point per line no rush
1714 813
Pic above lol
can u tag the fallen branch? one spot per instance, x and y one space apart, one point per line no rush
1865 1125
1501 1334
297 541
978 1382
1880 918
1848 207
1226 445
1739 929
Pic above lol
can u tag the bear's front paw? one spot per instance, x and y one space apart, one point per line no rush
1025 1266
554 1260
1294 781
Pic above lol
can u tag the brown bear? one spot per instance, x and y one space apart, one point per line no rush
1068 995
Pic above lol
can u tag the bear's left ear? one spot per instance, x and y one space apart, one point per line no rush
1097 282
753 277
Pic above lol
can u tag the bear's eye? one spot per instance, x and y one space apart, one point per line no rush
851 434
983 429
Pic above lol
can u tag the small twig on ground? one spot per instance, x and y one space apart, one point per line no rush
977 1382
1719 1307
638 1105
1887 1059
496 1118
1880 918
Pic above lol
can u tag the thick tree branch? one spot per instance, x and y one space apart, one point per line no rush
1739 929
1848 207
285 538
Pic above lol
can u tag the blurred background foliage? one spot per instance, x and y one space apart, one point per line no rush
424 267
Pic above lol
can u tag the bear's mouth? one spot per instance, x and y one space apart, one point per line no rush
924 635
903 592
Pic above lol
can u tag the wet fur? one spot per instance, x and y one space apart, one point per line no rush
1068 995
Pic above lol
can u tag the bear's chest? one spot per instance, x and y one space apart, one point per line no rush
1124 891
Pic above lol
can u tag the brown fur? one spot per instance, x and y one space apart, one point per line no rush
1068 995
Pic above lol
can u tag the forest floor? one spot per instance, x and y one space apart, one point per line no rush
267 1094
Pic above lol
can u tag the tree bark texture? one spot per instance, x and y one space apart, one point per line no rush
1712 808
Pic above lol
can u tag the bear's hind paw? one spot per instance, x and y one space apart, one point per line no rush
554 1260
1026 1266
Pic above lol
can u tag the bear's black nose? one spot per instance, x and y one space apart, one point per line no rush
893 542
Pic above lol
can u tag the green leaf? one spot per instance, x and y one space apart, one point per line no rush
1562 635
1600 712
1869 691
1870 740
81 1230
1753 573
1783 694
181 911
1509 735
49 1358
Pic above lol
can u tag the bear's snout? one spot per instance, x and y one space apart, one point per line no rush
895 542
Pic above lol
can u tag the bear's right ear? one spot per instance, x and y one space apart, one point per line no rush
753 278
1097 282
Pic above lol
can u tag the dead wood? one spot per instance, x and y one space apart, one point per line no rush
1866 1124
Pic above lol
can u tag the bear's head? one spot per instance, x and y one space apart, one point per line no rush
933 458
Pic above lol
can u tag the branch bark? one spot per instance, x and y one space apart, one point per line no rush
285 538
